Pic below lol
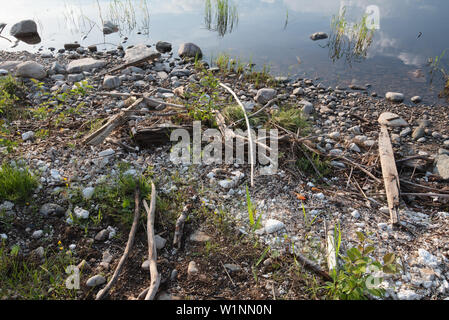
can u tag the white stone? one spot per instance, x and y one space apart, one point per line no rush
88 192
192 269
81 213
95 281
392 120
272 225
394 96
3 236
27 135
428 259
355 214
408 295
37 234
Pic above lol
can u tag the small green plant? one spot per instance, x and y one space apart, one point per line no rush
204 99
24 277
354 280
11 92
252 214
16 183
291 119
323 166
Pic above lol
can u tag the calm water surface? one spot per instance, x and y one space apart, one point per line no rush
266 32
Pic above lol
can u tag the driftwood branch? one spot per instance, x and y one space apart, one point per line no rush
152 251
312 266
251 146
98 136
390 174
102 293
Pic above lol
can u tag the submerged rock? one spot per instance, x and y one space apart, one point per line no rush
319 36
109 27
26 31
163 47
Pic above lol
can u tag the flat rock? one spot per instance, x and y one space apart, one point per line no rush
138 52
392 120
86 64
31 69
51 209
9 66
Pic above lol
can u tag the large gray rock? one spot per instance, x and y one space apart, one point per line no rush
307 107
26 31
139 51
86 64
394 96
189 50
442 166
51 209
264 95
31 69
392 120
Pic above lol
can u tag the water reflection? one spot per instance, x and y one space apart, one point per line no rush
349 40
221 16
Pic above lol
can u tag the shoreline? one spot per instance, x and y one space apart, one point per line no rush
343 123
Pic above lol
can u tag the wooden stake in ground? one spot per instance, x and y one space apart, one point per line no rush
102 293
331 248
152 250
180 227
390 174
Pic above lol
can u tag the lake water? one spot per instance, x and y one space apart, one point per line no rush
393 56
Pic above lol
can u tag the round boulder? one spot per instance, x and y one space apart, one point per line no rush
190 50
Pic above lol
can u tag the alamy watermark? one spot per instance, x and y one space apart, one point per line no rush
191 151
353 10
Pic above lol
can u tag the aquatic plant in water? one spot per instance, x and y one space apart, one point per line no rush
221 16
349 41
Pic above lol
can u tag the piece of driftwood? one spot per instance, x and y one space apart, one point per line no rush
157 134
152 250
390 174
102 293
145 96
331 247
121 144
312 266
98 136
148 58
179 228
251 146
